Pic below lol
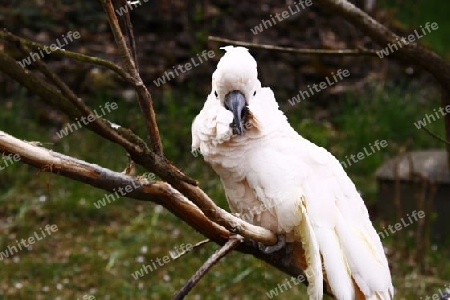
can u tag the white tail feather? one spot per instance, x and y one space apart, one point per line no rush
367 266
309 242
336 267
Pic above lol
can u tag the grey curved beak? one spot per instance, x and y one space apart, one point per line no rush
235 102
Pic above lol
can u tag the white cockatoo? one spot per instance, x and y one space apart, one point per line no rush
278 180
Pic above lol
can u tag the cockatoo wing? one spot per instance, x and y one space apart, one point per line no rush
285 168
341 221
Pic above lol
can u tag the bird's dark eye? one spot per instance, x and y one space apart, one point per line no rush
254 93
215 93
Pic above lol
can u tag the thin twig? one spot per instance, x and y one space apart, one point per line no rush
397 191
144 96
201 243
54 97
101 124
61 85
120 39
445 100
232 243
185 251
8 36
125 23
435 136
361 51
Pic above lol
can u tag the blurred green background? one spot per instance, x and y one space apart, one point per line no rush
95 251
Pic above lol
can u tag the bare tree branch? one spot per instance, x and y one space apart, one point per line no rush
232 243
361 51
197 245
135 147
106 179
126 24
435 135
144 97
137 150
53 97
124 137
70 95
7 36
412 53
158 192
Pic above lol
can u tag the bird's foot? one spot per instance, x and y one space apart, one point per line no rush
281 242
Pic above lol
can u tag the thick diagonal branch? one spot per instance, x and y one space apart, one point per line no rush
158 192
135 147
412 53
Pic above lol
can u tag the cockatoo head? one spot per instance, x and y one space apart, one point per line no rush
235 84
